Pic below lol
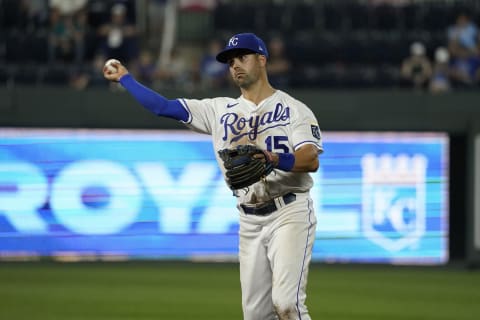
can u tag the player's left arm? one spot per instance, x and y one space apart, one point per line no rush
306 141
304 159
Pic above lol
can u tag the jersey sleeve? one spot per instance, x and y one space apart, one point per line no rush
201 114
305 128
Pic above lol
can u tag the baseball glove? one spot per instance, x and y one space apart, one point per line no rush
245 165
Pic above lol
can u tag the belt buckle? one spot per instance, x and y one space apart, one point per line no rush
269 206
256 209
289 198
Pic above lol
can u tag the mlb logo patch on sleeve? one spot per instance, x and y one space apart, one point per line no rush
315 131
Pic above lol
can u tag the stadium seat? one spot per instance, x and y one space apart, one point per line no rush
235 17
303 16
359 17
274 18
333 17
386 18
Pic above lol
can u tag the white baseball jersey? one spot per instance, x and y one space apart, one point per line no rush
279 123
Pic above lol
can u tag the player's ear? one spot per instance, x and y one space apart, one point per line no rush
262 59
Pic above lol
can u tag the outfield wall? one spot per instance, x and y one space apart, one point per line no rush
336 110
378 197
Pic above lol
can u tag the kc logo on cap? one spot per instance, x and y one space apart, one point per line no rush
233 41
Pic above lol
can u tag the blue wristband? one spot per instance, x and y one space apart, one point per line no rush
286 161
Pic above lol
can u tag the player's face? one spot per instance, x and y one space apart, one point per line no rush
244 69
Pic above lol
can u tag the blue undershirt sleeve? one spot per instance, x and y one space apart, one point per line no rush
153 101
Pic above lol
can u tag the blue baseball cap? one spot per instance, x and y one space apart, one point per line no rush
245 41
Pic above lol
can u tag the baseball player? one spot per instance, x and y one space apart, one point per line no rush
277 221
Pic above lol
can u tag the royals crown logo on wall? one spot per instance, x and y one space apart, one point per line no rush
394 200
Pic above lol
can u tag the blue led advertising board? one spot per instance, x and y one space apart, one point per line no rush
380 197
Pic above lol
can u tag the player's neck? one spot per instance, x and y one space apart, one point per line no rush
258 92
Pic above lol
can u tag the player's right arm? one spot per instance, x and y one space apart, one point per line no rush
148 98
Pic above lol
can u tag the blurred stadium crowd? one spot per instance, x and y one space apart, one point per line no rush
429 45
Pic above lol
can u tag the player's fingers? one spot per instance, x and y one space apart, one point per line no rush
116 64
111 76
120 69
108 74
267 157
259 156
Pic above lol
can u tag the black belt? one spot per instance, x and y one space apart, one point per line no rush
267 207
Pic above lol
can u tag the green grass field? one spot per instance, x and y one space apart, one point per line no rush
140 291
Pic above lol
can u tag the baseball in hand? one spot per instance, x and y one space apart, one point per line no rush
109 65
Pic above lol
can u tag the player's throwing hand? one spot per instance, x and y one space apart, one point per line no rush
113 70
